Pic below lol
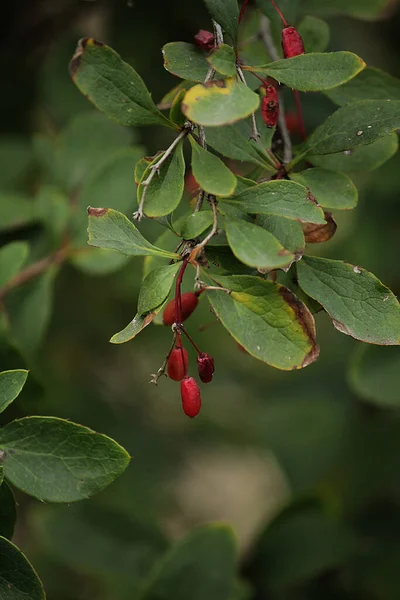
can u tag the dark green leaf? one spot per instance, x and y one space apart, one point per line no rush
156 287
109 228
175 114
313 72
8 512
166 188
315 34
98 261
11 383
267 320
18 580
375 375
12 257
357 302
59 461
16 210
330 188
142 165
196 223
202 566
234 142
255 246
185 61
112 85
281 198
219 102
212 175
370 84
226 13
355 124
223 60
138 323
362 158
167 100
288 232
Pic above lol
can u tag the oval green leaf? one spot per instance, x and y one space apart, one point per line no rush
267 320
212 175
357 302
156 287
11 384
226 13
196 223
59 461
185 61
370 84
330 188
18 579
223 60
219 102
12 257
315 34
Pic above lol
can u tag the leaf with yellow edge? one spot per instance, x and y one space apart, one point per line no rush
219 102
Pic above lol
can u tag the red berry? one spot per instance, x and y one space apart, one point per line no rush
204 39
270 106
205 365
189 302
191 399
177 363
292 42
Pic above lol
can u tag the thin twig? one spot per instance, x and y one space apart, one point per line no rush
218 39
266 36
213 231
34 270
255 134
161 371
138 215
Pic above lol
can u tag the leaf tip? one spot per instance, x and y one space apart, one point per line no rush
97 212
77 56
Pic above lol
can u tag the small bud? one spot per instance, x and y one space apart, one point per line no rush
204 39
177 363
191 399
270 106
205 365
189 302
292 42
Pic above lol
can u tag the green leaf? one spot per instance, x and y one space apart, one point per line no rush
134 327
357 302
98 261
362 158
167 100
109 228
8 512
313 72
18 580
288 232
370 84
100 542
185 61
33 298
202 566
165 190
355 125
53 209
234 142
256 247
226 13
16 210
360 9
196 223
281 198
375 375
175 114
12 257
113 86
59 461
87 141
142 165
330 188
156 287
267 320
212 175
223 60
219 102
315 34
11 383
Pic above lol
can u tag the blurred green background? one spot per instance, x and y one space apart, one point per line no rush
303 466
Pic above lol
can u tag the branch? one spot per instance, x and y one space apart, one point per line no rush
270 46
138 215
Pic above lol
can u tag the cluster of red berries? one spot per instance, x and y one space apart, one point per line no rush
177 365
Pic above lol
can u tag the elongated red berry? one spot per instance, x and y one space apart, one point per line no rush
270 106
189 301
204 39
292 42
177 363
191 399
205 365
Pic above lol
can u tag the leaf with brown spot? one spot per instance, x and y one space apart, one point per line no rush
316 234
